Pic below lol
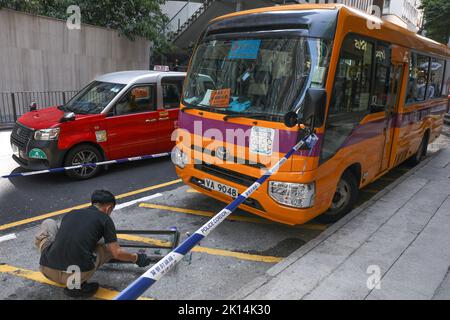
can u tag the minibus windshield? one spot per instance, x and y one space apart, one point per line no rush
253 77
94 98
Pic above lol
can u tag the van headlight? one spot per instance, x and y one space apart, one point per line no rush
296 195
179 158
46 134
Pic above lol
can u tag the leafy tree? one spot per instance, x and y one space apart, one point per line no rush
131 18
437 22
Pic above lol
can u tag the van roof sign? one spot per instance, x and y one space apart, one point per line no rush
161 68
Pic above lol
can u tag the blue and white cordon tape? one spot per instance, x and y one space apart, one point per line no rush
78 166
140 285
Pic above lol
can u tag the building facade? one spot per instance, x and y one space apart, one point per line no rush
405 13
363 5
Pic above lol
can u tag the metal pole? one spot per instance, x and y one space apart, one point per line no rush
13 100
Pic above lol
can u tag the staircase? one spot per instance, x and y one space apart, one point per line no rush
173 34
185 35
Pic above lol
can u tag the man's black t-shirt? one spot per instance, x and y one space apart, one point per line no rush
75 242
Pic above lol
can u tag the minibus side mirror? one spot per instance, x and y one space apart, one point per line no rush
314 109
69 116
33 106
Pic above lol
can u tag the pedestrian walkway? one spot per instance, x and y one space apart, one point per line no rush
396 246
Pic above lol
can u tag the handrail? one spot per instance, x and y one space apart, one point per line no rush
205 5
187 3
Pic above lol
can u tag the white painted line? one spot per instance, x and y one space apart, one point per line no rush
130 203
11 236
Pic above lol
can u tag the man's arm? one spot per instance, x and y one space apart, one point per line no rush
120 254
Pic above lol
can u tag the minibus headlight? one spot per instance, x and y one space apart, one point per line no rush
179 158
46 134
296 195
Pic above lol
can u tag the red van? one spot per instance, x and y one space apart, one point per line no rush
118 115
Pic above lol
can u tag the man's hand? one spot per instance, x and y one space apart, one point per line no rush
120 254
142 260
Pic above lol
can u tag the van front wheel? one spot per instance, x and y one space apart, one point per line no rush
344 199
83 154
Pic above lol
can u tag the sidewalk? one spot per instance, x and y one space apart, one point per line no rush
404 232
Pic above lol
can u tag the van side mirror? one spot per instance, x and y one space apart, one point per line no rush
69 116
33 106
314 109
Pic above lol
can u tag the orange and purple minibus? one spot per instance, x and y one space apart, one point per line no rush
384 92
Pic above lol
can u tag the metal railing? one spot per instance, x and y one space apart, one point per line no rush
176 21
15 104
175 28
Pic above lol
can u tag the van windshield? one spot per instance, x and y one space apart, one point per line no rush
255 76
94 98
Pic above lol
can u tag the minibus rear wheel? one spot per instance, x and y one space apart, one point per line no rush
422 152
344 199
83 154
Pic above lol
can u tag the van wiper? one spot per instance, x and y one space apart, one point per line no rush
250 115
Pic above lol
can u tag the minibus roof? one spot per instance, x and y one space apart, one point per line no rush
402 36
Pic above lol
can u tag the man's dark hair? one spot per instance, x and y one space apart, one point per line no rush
103 197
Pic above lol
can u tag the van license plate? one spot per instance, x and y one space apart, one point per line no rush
222 188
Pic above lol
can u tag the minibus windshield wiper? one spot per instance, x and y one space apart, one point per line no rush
199 107
250 115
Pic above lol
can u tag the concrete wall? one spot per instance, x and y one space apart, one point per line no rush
42 54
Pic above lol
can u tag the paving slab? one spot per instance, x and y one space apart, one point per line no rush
402 234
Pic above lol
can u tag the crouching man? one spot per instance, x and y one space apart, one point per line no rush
75 246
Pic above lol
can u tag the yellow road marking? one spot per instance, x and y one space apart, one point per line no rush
210 214
211 251
102 293
192 191
155 242
81 206
201 213
162 185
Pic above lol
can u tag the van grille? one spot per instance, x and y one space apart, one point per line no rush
235 160
21 135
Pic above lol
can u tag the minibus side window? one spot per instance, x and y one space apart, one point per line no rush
436 78
382 77
350 100
418 87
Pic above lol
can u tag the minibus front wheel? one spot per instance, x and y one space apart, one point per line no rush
344 199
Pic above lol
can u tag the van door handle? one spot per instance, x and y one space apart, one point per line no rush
166 118
150 120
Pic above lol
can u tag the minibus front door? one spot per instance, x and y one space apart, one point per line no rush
391 111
